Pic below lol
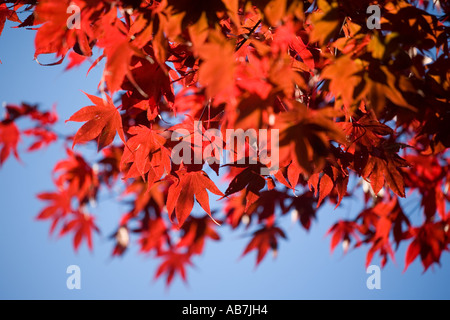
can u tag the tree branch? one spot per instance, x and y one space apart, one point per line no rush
247 36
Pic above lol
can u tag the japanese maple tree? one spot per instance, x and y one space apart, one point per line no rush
351 105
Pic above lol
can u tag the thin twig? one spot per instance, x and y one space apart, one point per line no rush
185 75
247 36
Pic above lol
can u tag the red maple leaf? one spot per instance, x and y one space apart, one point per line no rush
146 153
195 232
343 231
82 224
58 208
384 166
43 137
305 208
180 198
153 233
103 121
250 179
263 240
9 138
173 263
364 131
5 13
75 174
430 240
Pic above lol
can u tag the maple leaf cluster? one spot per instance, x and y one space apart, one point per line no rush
351 105
10 134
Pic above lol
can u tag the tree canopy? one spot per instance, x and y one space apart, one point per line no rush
316 94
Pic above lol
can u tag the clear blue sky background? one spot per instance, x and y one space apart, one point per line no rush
33 264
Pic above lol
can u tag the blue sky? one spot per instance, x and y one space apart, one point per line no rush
33 264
